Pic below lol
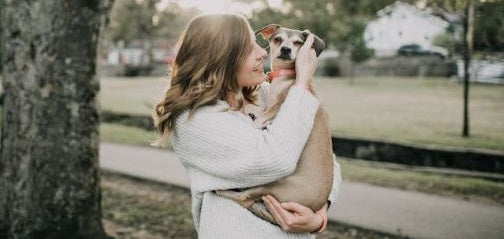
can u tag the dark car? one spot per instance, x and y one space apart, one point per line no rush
417 50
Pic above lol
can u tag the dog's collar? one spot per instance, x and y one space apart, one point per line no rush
281 72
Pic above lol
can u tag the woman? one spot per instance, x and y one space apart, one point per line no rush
216 72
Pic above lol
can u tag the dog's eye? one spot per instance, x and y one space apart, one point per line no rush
277 40
298 43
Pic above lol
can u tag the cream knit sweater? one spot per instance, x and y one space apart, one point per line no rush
222 150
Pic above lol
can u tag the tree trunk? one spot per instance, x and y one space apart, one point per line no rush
49 175
468 47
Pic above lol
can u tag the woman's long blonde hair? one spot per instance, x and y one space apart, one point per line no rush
210 51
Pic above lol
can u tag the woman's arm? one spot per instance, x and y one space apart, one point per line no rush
263 97
224 145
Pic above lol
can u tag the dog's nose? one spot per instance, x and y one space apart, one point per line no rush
285 50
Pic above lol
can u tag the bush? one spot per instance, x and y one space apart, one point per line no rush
449 42
360 52
329 67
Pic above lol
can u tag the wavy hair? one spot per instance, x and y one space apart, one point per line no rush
210 52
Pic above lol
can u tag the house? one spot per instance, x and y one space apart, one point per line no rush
138 58
402 24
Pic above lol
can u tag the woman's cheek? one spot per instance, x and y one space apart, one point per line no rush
258 79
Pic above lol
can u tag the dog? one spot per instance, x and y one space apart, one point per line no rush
311 182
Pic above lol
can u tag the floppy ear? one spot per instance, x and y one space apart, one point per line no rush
318 43
268 31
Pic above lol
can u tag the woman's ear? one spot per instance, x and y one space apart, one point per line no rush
268 31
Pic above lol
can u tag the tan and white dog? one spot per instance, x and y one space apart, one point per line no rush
311 182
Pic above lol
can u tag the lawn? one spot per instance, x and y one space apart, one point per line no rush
127 135
420 110
466 188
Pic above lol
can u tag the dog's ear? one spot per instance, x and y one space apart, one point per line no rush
318 43
268 31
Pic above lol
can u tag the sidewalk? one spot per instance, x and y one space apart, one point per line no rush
417 215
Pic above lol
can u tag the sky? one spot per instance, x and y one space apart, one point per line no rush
221 6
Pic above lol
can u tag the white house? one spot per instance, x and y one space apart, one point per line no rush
401 24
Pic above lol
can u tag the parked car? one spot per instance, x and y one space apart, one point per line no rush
417 50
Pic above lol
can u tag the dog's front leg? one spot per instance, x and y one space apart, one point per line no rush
239 197
246 197
251 199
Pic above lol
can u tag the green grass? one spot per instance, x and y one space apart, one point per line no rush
152 207
427 111
131 95
459 187
127 135
456 186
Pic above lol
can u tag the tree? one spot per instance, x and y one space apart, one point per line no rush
359 52
465 9
468 48
1 33
131 19
141 20
49 175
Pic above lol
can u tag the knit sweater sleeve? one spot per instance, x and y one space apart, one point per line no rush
263 93
334 194
225 146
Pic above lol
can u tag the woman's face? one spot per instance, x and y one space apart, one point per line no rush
251 73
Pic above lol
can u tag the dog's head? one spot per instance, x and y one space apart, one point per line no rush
285 43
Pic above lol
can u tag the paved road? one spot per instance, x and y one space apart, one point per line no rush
417 215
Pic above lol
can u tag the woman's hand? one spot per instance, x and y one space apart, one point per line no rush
294 217
306 61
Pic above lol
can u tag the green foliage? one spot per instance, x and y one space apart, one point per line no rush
132 20
1 35
453 6
332 20
488 22
1 46
449 42
489 26
338 22
360 52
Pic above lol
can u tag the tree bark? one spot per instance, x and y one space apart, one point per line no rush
468 47
49 174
